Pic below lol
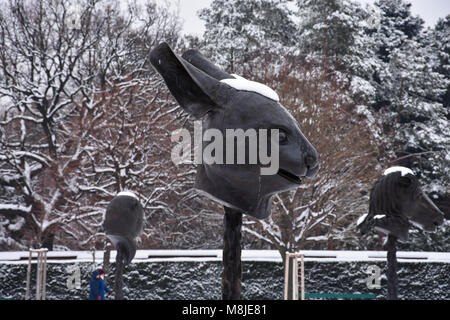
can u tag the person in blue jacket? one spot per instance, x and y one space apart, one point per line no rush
98 286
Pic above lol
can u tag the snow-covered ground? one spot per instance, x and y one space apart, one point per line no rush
21 257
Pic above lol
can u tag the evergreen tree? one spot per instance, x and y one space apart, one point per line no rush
410 95
411 85
397 71
339 33
397 24
239 31
441 37
328 27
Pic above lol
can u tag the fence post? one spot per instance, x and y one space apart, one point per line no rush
295 280
302 275
27 292
291 276
44 274
41 274
38 276
286 275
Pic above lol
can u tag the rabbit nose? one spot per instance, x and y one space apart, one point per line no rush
311 161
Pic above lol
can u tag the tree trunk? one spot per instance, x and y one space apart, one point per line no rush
232 267
47 242
392 280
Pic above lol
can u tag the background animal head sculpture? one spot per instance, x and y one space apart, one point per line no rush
123 223
396 203
227 101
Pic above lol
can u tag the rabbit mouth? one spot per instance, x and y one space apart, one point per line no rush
289 176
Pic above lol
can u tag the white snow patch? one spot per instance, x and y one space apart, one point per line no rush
361 219
15 207
127 193
240 83
114 239
318 238
385 231
17 225
416 225
403 170
379 216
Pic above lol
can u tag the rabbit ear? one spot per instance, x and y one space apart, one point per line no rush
195 91
198 60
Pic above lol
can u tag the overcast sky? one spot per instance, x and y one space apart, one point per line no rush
429 10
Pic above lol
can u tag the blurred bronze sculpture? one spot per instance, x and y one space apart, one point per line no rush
396 203
123 224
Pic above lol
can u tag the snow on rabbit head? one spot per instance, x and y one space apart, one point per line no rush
127 193
242 84
404 171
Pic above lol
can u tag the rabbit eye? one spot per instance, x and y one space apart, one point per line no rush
283 137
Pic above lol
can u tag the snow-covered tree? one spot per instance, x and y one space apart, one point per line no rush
389 71
126 143
397 24
239 31
38 67
410 92
52 70
327 27
410 89
441 43
321 213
